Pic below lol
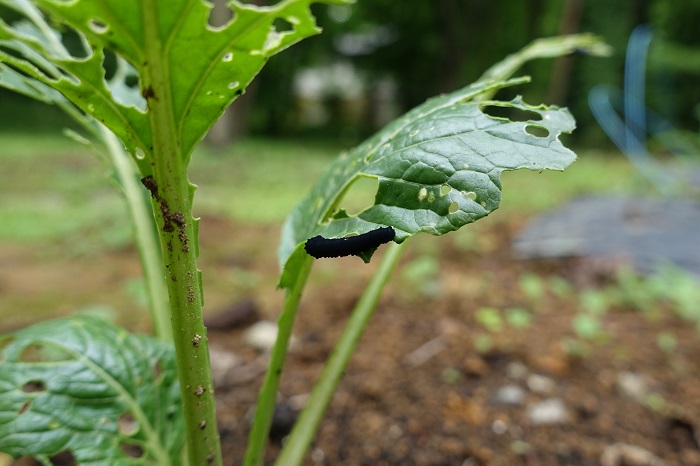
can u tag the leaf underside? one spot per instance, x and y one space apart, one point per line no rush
438 168
83 386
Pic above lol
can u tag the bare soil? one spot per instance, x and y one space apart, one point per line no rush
394 408
402 402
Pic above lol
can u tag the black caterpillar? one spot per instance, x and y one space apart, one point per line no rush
319 247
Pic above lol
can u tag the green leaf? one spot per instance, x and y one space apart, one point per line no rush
549 47
197 68
87 387
17 82
438 168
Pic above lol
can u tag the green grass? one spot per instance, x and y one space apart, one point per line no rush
257 181
53 188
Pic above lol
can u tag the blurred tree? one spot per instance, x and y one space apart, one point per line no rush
433 47
674 62
614 20
426 49
561 74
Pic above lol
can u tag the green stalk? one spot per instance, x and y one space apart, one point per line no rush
172 195
145 235
306 426
267 398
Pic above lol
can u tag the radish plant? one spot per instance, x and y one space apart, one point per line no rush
86 388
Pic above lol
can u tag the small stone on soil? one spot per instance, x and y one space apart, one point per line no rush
547 412
509 395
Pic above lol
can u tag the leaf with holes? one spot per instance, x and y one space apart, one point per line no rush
438 168
83 388
179 60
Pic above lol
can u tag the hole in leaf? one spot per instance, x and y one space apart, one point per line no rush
359 196
470 194
24 408
282 25
510 113
34 386
454 207
140 154
422 194
97 26
228 56
220 14
445 190
110 64
131 81
132 450
127 424
234 84
63 458
75 43
537 131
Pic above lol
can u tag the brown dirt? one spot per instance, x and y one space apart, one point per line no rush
441 411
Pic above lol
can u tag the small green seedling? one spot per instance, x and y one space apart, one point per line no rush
86 388
518 317
489 318
533 287
561 288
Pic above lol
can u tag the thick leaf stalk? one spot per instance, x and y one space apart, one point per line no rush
172 196
178 235
267 398
306 426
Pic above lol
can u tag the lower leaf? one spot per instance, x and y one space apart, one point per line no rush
85 389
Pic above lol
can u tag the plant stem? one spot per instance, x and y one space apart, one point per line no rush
145 235
306 426
172 195
267 398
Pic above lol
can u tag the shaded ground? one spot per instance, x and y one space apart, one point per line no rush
444 404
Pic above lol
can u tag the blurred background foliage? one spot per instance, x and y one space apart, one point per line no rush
378 58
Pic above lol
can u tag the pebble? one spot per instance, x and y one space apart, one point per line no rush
234 315
548 412
540 384
632 386
509 395
262 335
516 370
622 454
499 427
